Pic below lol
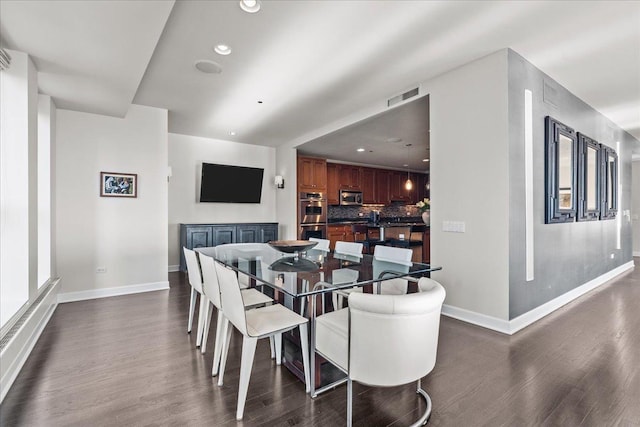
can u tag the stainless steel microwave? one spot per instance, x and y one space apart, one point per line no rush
350 198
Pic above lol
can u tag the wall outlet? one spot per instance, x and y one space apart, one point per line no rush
613 256
101 270
360 214
401 236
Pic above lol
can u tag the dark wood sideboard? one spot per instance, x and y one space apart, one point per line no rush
207 235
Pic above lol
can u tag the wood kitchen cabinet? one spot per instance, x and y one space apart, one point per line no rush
397 191
368 185
349 177
339 232
381 189
333 189
312 174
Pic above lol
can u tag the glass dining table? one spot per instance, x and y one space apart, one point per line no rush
303 282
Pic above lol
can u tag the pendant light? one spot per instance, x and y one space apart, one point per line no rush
408 184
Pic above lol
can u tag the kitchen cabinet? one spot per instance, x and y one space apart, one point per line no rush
382 187
333 189
368 177
206 235
349 177
339 232
312 174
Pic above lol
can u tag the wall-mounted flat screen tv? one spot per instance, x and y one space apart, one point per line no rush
230 184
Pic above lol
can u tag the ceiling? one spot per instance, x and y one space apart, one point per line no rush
310 63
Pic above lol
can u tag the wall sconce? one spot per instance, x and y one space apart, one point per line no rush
279 181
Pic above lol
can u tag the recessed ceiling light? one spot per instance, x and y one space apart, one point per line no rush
425 160
250 6
208 67
393 140
232 133
222 49
360 150
259 102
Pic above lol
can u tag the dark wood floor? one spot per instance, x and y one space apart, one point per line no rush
128 361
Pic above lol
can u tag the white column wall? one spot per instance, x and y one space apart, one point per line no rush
125 236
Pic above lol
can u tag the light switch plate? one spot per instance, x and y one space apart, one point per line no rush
454 226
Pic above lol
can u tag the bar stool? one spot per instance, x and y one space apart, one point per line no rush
361 234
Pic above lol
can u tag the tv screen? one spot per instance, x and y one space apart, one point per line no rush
230 184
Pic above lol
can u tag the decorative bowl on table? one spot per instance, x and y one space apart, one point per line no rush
292 246
292 264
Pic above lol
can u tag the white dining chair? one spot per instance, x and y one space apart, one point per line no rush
254 324
195 280
211 288
344 275
397 259
383 340
323 244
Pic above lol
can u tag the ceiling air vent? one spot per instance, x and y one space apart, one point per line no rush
408 94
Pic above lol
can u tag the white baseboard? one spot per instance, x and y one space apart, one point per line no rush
512 326
111 292
174 268
17 350
478 319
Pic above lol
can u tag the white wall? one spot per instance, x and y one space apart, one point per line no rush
287 199
470 183
635 206
127 236
186 155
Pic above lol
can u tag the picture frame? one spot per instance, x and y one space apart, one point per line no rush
116 184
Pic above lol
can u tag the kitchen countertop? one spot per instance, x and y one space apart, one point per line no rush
383 223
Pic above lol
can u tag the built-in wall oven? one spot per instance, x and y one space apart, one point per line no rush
312 214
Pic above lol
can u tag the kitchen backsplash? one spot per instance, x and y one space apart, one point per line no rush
351 212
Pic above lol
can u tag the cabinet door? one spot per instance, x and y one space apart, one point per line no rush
368 185
334 233
333 189
382 186
320 174
269 233
199 237
248 233
312 174
224 234
397 191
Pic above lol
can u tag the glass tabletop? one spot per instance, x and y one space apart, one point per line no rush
298 274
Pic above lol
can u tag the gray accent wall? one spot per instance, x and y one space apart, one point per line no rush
566 255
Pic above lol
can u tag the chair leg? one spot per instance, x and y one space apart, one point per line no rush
204 304
217 346
349 402
192 307
207 325
278 344
304 347
248 353
226 331
272 344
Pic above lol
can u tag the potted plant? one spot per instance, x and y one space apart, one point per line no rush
423 206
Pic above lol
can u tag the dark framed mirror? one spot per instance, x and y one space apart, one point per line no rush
609 183
560 172
589 187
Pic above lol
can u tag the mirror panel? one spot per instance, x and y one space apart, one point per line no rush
561 172
609 168
588 179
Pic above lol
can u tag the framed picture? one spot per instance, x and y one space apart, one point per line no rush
114 184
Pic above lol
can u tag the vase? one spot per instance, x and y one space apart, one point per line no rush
426 217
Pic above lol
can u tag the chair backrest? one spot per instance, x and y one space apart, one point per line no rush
360 232
210 284
323 244
392 254
393 338
231 298
395 259
193 269
349 248
237 249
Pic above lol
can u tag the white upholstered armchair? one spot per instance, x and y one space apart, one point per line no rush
384 340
